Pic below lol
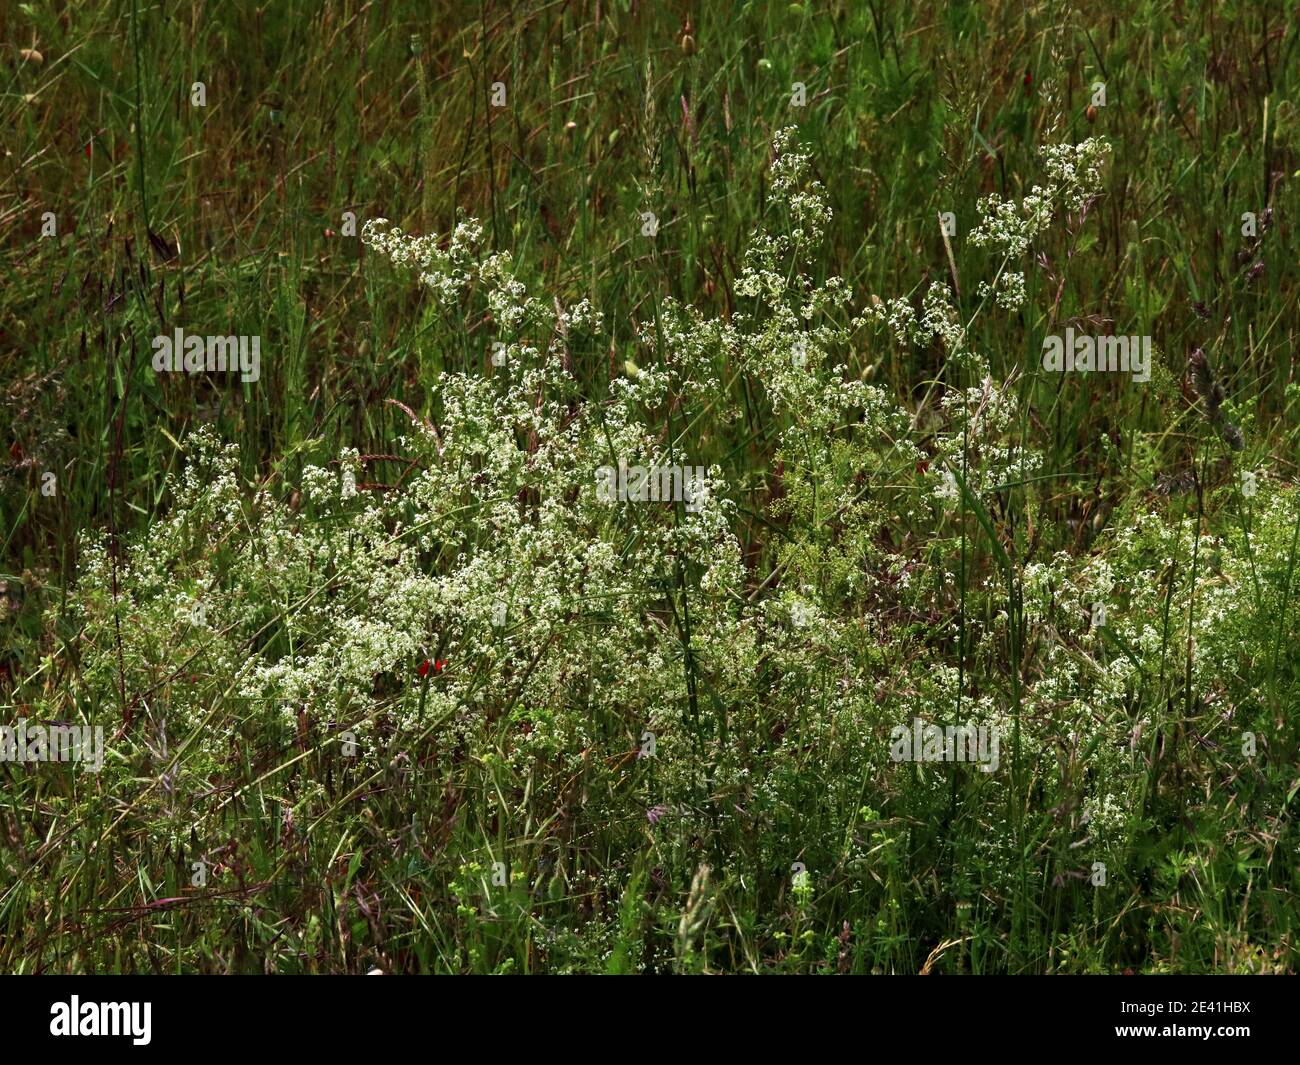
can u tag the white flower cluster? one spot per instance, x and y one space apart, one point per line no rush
985 429
449 266
1073 178
1008 290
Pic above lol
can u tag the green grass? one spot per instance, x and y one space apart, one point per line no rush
229 218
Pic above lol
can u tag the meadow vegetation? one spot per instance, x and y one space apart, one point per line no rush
387 683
